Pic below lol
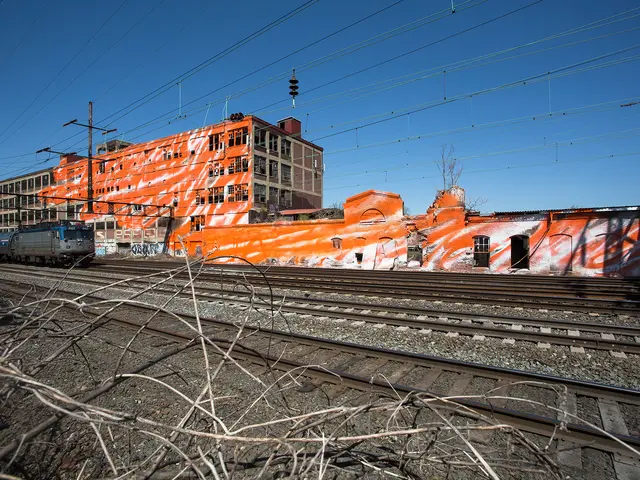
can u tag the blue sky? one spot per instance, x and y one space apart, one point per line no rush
539 125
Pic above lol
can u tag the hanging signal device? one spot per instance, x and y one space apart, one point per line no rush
293 88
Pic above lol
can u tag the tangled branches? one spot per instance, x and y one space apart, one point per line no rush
84 395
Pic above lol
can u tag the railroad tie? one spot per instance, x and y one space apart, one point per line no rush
613 422
569 454
501 389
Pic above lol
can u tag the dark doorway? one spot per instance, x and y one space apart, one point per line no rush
481 251
520 251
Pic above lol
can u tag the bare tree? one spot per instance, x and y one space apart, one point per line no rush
448 167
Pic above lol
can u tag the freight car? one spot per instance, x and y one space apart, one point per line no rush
56 243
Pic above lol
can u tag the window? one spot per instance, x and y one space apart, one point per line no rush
218 194
285 148
273 170
238 137
200 200
117 188
214 142
480 251
273 195
23 185
273 143
101 167
336 242
259 137
285 174
30 184
38 181
239 164
259 193
10 188
197 223
259 165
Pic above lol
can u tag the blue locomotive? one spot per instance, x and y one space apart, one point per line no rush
56 243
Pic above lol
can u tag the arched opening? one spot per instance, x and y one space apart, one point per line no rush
336 242
520 251
481 251
372 215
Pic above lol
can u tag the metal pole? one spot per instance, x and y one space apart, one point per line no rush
89 162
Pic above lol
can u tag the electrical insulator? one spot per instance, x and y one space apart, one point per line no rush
293 88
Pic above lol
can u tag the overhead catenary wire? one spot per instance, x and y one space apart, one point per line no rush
397 31
496 169
201 66
597 24
104 52
85 45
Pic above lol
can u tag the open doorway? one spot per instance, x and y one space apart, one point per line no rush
520 251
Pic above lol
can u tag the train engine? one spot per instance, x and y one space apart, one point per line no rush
58 243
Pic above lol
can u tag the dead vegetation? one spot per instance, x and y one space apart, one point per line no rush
84 398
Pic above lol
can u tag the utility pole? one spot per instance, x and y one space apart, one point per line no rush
89 162
90 127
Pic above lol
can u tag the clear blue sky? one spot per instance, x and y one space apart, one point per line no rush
54 59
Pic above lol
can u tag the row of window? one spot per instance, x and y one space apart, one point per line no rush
26 184
275 143
235 193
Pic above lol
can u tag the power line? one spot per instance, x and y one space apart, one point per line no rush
88 67
430 44
531 165
61 71
27 33
189 73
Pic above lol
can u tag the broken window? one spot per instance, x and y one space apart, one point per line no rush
337 243
285 148
273 143
273 195
285 174
481 251
259 137
214 142
273 170
218 194
259 165
197 223
238 137
239 164
259 193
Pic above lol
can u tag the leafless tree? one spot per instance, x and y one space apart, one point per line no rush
448 167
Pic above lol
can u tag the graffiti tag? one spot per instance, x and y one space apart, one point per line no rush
146 249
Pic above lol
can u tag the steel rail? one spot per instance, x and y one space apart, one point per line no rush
545 426
438 324
509 299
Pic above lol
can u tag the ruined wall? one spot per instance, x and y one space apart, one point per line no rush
371 236
582 242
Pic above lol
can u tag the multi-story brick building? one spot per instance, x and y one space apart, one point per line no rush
19 202
234 172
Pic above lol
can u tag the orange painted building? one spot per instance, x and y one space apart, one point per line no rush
211 191
586 241
230 173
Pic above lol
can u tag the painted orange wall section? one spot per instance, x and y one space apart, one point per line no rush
374 234
587 242
372 228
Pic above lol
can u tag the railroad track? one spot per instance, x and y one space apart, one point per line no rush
588 287
617 339
388 287
340 365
